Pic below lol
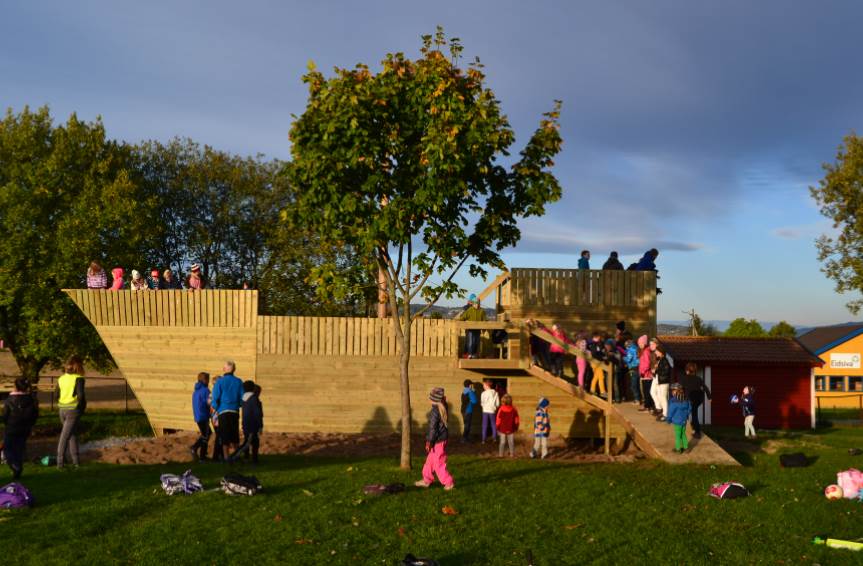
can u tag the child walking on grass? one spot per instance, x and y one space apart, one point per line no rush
679 409
541 429
201 413
490 401
507 422
436 440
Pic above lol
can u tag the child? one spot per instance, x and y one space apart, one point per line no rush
468 404
663 377
615 361
507 422
630 360
747 403
556 351
645 370
473 313
584 260
438 434
678 413
195 280
598 363
490 401
96 276
541 429
137 283
581 361
695 390
154 281
201 412
20 412
253 420
117 284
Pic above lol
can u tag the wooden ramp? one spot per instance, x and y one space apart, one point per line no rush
660 436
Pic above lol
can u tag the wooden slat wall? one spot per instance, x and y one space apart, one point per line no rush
211 308
577 287
345 336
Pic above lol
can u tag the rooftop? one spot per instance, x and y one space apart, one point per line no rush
718 349
819 340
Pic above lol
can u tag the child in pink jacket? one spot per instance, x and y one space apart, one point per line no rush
646 373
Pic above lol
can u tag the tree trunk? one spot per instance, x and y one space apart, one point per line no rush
404 362
30 368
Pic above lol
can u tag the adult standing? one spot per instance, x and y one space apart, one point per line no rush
473 313
72 403
695 390
20 412
227 399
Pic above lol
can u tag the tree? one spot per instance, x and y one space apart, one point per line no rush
840 196
65 199
403 165
782 330
698 327
743 328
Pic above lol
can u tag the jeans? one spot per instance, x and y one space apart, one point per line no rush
68 438
250 440
200 446
13 449
540 443
749 426
507 439
435 465
488 421
635 384
472 342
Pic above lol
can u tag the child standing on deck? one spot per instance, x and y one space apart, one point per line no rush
541 429
678 413
507 422
584 260
645 370
630 360
201 412
436 440
490 401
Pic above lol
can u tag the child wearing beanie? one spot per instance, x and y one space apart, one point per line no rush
541 429
436 440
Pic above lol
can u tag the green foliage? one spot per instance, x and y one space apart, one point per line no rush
313 511
66 198
743 328
840 196
698 327
782 330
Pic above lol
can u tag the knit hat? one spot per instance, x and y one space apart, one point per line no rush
195 267
543 403
642 341
472 298
436 395
136 274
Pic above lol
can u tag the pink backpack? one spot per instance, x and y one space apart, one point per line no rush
15 496
851 481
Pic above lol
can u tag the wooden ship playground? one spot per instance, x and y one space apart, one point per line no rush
340 374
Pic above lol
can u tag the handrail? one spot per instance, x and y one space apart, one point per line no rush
568 348
499 280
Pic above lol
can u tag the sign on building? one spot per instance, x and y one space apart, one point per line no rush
844 361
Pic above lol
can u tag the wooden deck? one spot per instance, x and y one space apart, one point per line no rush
660 436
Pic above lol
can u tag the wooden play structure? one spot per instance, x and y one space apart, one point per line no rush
339 374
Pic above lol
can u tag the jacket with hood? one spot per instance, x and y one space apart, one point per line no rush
20 412
644 363
597 350
747 403
468 401
583 263
253 413
541 420
117 272
630 358
490 401
560 335
612 264
200 404
678 411
438 431
507 419
646 263
227 394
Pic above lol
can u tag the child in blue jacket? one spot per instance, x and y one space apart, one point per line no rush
201 412
678 413
630 360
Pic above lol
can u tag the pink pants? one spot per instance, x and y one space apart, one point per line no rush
436 464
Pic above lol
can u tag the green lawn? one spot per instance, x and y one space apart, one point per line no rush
313 512
97 424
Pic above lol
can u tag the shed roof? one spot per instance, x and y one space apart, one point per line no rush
819 340
722 349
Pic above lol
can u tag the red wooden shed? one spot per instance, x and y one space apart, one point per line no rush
780 369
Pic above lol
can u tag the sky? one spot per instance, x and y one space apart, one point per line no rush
693 127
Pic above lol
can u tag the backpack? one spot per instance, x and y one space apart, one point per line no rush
236 484
793 460
728 490
186 484
15 496
411 560
850 481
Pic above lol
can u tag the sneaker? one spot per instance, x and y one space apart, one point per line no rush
449 487
422 483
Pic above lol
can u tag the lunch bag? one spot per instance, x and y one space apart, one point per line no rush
236 484
186 484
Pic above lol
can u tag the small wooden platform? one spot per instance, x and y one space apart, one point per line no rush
660 435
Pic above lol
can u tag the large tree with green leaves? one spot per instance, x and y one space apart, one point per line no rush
840 196
782 330
743 328
406 166
65 199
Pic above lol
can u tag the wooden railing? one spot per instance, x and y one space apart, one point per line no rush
579 287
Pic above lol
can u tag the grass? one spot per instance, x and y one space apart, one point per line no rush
97 424
313 512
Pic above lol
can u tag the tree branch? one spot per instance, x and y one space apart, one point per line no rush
448 279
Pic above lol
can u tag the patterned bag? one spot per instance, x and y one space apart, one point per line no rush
728 490
186 484
235 484
850 481
15 496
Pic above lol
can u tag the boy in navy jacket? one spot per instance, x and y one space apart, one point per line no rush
201 412
253 421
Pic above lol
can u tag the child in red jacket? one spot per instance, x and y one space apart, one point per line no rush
507 423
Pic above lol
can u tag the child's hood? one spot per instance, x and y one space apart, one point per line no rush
117 272
199 385
507 408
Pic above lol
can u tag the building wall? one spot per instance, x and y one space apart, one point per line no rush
841 387
782 395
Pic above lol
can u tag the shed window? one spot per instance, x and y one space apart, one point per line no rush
837 383
820 381
855 383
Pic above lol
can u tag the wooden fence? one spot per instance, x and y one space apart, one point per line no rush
220 308
343 336
578 287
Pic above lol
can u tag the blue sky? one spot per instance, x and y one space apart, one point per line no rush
693 127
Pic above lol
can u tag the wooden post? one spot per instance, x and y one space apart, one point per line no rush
126 396
609 378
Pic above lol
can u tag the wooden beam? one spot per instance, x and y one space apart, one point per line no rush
499 280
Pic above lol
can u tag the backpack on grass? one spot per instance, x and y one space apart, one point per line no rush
793 460
728 490
236 484
411 560
15 496
186 484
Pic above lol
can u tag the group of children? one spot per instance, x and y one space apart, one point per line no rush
222 408
646 263
97 278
